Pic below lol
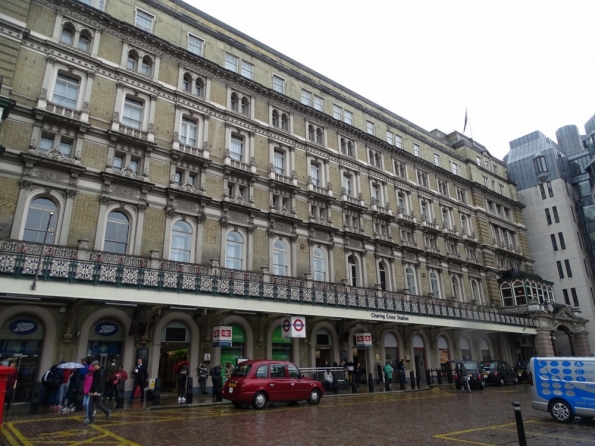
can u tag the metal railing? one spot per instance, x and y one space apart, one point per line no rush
19 260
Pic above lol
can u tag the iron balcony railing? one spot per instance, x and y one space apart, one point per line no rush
19 260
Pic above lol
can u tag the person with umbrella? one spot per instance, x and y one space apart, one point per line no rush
73 385
181 369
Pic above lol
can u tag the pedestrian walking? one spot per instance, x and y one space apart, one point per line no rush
379 371
182 378
109 386
388 374
358 374
141 380
11 384
96 394
88 380
217 381
465 387
328 380
203 374
53 381
73 387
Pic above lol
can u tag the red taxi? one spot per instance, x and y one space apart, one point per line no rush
257 382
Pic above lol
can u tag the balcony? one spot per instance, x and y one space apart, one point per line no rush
382 210
276 175
64 265
326 191
240 165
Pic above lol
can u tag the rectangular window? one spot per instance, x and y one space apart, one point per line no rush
348 117
586 269
580 241
560 270
144 20
306 98
416 150
574 297
133 113
556 217
315 174
231 62
550 189
247 70
461 195
568 270
501 189
478 161
65 147
589 212
485 181
45 144
561 237
370 127
566 298
188 132
237 148
584 189
398 142
547 216
278 160
318 103
390 138
66 91
278 84
436 159
337 112
195 45
542 189
554 244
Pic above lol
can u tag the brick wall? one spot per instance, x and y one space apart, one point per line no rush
85 213
9 194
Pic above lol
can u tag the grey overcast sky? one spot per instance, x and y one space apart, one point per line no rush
517 66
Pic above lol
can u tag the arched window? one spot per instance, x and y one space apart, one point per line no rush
146 66
284 122
41 210
519 293
116 233
181 241
234 252
186 82
67 36
410 280
132 61
275 118
343 146
506 292
245 106
475 295
235 102
352 270
319 264
311 133
319 135
382 274
199 87
84 43
434 284
456 287
280 258
350 150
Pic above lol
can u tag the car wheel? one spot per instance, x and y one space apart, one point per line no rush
482 385
259 400
501 382
561 411
516 381
314 397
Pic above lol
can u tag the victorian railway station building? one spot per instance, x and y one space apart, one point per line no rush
163 175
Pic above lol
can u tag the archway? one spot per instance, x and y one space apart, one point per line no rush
561 340
443 354
419 357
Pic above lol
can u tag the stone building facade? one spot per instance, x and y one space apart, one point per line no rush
193 177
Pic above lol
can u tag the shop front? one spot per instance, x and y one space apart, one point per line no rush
106 339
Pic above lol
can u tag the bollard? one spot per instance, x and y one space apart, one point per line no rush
402 379
449 375
412 379
519 423
353 385
429 377
335 387
35 399
370 383
439 376
386 383
417 378
189 390
157 392
120 394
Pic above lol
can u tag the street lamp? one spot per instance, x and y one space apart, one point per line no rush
45 237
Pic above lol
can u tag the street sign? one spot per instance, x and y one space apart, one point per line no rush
222 336
363 340
294 327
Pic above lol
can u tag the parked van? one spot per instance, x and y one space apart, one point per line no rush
564 387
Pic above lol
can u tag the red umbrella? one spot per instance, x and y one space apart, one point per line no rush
179 365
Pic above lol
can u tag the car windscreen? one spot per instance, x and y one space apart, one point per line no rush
242 370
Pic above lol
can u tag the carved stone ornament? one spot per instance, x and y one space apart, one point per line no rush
224 222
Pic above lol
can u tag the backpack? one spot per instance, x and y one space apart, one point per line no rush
53 379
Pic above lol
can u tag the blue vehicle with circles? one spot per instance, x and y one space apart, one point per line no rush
563 386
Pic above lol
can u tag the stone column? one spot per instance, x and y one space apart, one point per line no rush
543 343
579 343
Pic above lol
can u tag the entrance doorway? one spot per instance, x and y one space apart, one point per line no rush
323 349
360 356
175 341
419 356
105 343
21 341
